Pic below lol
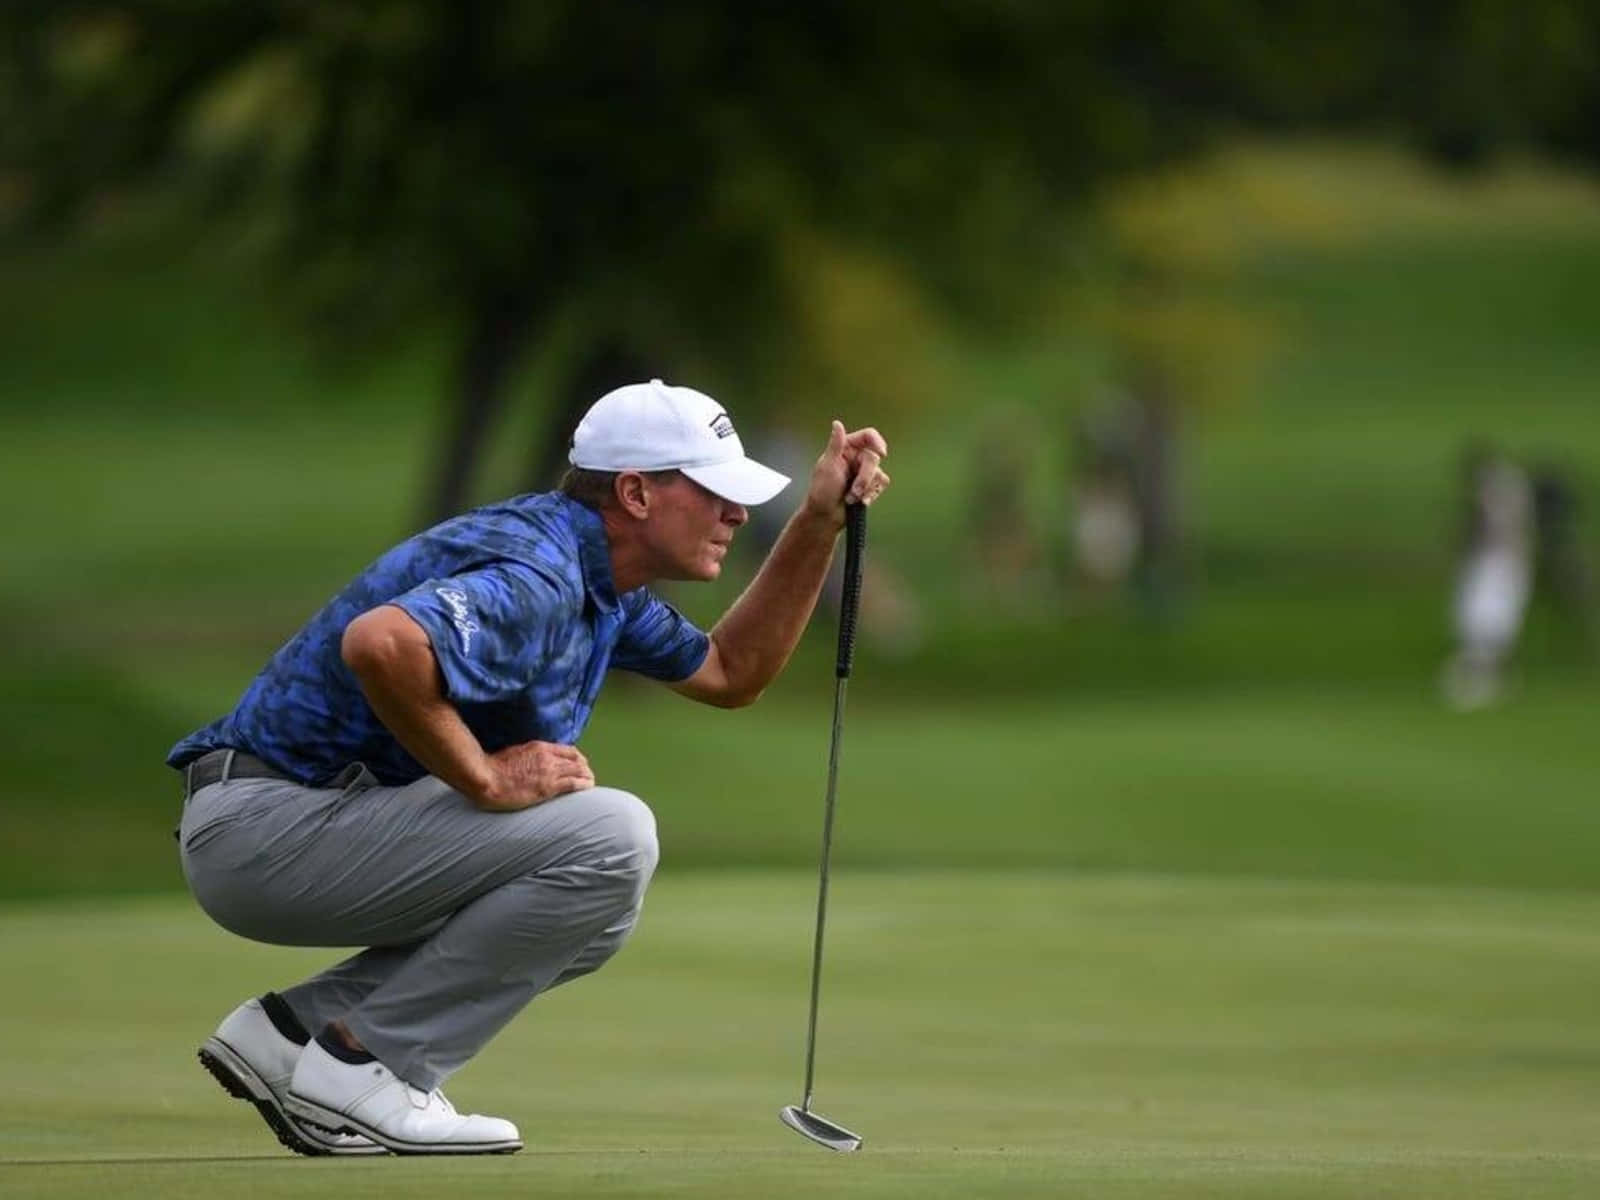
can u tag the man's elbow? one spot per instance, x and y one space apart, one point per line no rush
741 684
736 697
722 691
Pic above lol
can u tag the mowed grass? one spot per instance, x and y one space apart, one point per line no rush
1321 783
1018 1034
1381 784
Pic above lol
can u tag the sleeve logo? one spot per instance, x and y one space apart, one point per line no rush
460 615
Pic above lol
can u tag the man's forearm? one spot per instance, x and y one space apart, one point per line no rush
756 636
434 734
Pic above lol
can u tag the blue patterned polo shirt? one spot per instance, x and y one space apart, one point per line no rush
518 601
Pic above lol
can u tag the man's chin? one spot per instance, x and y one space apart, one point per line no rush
701 572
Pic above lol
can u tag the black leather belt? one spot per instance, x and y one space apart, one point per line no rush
219 766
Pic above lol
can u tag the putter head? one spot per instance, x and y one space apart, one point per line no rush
819 1129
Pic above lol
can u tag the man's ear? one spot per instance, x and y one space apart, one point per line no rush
632 491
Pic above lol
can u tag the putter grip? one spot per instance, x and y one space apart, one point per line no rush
855 545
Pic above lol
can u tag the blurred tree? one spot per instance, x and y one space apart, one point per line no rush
693 186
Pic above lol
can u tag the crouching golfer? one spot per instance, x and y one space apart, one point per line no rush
403 774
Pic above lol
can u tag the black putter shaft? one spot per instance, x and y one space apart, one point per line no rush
849 607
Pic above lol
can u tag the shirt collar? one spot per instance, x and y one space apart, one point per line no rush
594 553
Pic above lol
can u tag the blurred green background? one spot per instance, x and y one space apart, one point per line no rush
1156 881
189 484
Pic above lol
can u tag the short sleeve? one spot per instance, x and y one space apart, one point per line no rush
487 627
657 640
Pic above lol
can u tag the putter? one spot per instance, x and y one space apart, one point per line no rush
799 1117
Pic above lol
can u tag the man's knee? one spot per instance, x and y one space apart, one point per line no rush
624 833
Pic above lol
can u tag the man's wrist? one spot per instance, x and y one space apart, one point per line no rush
481 783
823 522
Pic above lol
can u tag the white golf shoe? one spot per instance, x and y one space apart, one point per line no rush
253 1061
370 1100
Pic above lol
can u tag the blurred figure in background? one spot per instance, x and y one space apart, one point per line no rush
1493 579
1126 524
1007 554
1561 569
1105 524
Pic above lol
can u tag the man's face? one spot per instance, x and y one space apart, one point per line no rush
691 528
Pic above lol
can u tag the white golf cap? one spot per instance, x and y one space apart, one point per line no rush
656 427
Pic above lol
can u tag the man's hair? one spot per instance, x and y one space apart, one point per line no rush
597 489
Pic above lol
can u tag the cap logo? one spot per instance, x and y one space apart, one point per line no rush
721 425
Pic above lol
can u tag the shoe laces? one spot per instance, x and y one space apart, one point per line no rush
425 1100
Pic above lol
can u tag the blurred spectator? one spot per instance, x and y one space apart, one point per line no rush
1126 524
1007 554
1153 402
1105 527
1561 569
1493 578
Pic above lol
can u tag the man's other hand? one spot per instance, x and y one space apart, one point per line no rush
531 773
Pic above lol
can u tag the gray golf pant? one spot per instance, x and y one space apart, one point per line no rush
468 915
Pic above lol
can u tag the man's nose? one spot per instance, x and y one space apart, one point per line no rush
735 514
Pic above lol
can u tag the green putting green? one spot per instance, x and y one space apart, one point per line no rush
1020 1034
